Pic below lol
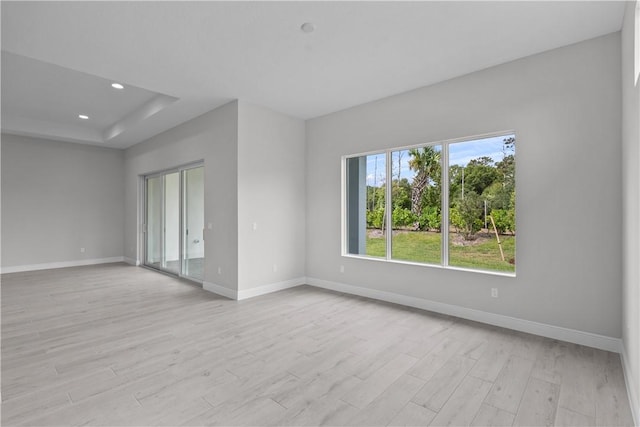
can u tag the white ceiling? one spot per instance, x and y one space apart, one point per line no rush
194 56
42 99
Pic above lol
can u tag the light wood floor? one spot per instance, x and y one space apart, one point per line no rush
121 345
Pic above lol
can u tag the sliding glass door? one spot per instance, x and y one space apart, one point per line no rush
174 221
193 214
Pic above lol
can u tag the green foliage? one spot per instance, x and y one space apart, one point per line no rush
431 219
505 219
501 219
507 170
470 210
417 201
401 193
402 217
375 197
455 184
425 161
497 196
375 218
480 173
455 218
512 211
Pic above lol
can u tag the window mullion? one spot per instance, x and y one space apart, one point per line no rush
444 211
388 204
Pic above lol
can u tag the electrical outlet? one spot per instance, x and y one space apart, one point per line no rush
275 268
219 270
255 226
342 269
81 250
494 292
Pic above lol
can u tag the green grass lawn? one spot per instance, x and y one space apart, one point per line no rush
424 247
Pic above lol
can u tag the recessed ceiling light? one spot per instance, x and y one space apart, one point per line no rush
117 86
83 116
307 27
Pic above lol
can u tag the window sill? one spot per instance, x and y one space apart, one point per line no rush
442 267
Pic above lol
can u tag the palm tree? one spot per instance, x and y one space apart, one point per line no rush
425 162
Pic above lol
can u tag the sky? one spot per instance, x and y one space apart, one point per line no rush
460 153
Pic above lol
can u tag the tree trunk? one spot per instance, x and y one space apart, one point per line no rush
417 190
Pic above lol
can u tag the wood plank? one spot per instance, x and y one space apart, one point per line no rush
569 418
578 387
612 405
436 359
494 358
548 364
121 345
464 404
538 405
304 391
319 412
413 415
383 409
489 416
365 392
508 388
441 386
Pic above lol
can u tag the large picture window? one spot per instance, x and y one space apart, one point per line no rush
474 178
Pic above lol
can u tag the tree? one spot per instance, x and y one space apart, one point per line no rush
479 174
511 213
455 181
401 193
400 155
375 206
401 197
425 162
497 195
470 210
507 170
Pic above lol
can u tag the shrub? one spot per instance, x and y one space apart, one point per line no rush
456 219
402 217
431 219
470 209
501 218
375 218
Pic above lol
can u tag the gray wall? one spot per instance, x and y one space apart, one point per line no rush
58 197
631 206
271 194
565 107
254 173
211 137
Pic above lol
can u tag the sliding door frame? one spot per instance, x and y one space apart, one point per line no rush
181 208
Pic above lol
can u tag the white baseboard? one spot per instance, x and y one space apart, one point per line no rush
220 290
632 387
550 331
271 287
131 261
252 292
63 264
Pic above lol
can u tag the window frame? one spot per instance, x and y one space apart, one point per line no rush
444 229
636 45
